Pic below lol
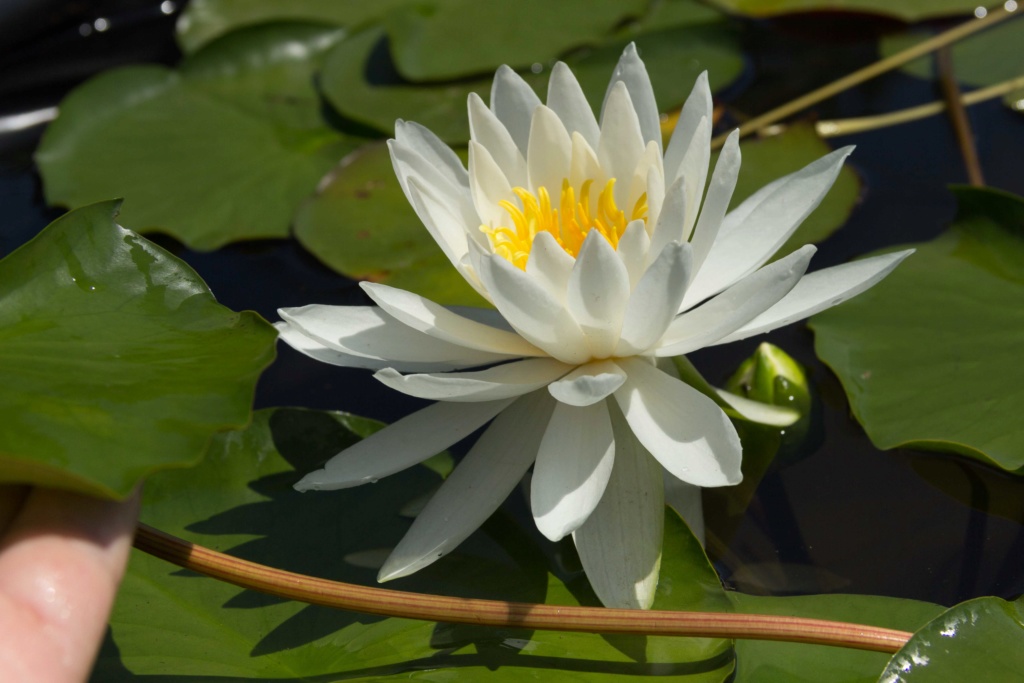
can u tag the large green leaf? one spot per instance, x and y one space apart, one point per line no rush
359 78
223 150
361 225
907 10
768 159
977 640
771 662
929 358
115 359
240 499
205 20
494 33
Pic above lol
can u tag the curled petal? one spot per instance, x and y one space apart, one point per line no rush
502 381
588 383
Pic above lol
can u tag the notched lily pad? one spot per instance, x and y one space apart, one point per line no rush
222 150
929 358
115 359
175 624
360 78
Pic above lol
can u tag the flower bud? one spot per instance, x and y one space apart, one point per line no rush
772 376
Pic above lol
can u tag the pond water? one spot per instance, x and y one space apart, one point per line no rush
841 517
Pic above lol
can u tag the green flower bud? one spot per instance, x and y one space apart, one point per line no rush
772 376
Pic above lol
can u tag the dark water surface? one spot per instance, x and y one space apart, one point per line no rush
843 518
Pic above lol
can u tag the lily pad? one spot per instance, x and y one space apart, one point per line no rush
360 80
981 639
768 159
115 359
494 33
223 150
240 499
761 661
907 10
205 20
929 357
361 225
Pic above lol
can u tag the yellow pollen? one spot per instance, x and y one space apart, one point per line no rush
568 221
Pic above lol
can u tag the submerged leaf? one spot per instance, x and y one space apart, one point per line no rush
115 359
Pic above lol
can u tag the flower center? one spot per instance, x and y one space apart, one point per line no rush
569 223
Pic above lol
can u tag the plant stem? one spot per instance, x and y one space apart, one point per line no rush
857 77
958 116
861 124
364 599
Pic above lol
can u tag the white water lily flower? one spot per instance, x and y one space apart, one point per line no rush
600 258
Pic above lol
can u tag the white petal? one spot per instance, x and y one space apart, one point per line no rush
532 310
446 228
513 102
486 129
633 247
489 186
502 381
622 144
573 465
549 153
588 383
585 166
368 332
437 321
597 294
407 163
445 162
820 290
756 411
671 219
685 430
293 336
752 233
723 182
653 303
403 444
567 100
736 306
694 172
620 543
655 195
631 71
549 265
475 489
698 105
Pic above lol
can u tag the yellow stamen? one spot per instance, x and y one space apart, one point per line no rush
569 223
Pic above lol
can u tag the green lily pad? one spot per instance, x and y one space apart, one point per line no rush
115 359
205 20
929 357
981 640
223 150
768 159
494 33
674 58
907 10
990 58
361 225
760 661
240 499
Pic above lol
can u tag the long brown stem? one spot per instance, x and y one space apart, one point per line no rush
392 603
857 77
958 116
